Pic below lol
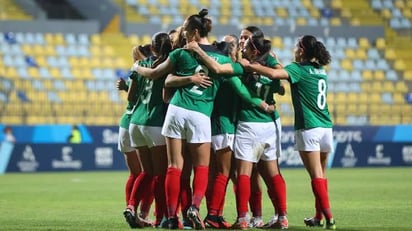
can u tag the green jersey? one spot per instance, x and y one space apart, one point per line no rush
264 88
125 119
150 109
224 116
309 87
194 97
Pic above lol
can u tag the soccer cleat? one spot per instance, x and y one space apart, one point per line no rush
281 223
241 223
313 222
194 216
174 223
216 222
187 224
162 224
330 224
271 221
256 222
130 217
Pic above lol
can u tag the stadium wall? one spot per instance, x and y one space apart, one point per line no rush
44 148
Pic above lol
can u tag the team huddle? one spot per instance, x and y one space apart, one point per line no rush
209 109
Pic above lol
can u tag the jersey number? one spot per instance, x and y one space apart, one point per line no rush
199 69
147 93
321 100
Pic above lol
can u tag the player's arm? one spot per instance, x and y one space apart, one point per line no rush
245 95
263 70
155 73
199 79
132 92
213 65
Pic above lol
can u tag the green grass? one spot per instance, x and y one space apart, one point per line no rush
361 199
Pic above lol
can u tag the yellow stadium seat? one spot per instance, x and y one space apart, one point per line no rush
41 60
301 21
364 43
388 86
400 86
361 54
314 13
55 72
407 75
350 53
281 12
379 75
390 54
386 14
367 75
12 119
398 98
11 72
277 42
33 72
380 43
347 64
95 39
399 65
335 21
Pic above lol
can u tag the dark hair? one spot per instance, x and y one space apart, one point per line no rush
178 39
314 49
145 50
162 45
200 22
263 46
222 46
256 31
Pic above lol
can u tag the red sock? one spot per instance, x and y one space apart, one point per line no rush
129 187
160 198
318 212
134 200
219 191
185 195
200 179
242 195
255 203
146 195
280 194
172 188
319 188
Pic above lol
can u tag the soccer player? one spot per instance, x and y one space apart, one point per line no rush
187 122
223 128
313 123
131 156
272 178
145 128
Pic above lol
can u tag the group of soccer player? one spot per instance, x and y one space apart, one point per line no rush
209 109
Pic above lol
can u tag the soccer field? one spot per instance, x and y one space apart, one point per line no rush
361 199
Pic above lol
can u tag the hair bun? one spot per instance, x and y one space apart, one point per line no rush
203 13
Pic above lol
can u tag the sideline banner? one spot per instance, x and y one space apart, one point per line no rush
64 157
44 148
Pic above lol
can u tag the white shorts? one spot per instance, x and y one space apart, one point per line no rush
192 126
123 143
314 139
142 135
222 141
258 141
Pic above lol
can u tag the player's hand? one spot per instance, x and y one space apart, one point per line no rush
201 80
121 85
192 46
268 108
281 90
245 63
